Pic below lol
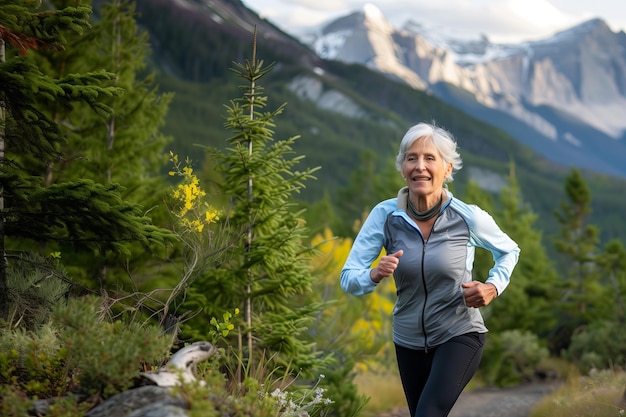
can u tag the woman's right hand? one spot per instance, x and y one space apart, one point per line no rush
386 266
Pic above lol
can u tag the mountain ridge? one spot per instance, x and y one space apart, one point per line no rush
579 72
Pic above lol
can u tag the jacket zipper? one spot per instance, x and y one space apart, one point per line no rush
425 297
425 242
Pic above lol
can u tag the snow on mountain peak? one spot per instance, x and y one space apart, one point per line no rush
465 47
375 19
373 12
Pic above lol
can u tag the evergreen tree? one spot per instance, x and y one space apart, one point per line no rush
613 264
527 302
87 213
266 273
125 147
578 245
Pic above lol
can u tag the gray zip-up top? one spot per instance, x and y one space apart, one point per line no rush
430 308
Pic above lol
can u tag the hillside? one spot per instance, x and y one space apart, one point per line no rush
194 46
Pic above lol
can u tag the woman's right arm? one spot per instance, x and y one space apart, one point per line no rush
355 276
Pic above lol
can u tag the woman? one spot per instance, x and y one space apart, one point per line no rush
429 239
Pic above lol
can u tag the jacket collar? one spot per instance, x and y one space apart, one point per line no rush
403 198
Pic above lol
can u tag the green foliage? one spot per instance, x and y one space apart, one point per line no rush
13 402
580 287
266 272
82 353
299 401
221 329
86 213
613 264
599 345
511 357
341 390
25 87
78 352
123 148
109 354
216 401
34 286
369 184
28 28
528 302
35 363
46 104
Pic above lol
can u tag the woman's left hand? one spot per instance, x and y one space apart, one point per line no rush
478 294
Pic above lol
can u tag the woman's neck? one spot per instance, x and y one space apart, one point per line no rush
426 208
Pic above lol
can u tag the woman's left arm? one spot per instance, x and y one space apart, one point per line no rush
487 234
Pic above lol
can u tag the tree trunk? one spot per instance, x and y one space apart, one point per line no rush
4 296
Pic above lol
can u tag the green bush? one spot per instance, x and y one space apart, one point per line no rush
76 353
599 345
35 285
108 355
511 357
34 363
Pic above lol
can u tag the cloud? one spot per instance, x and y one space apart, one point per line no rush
501 20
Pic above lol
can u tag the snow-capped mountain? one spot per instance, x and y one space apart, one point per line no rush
564 96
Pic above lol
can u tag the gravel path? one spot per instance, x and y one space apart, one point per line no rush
502 402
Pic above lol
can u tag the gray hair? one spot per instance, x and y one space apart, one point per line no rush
441 138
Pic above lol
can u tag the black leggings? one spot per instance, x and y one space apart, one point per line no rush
433 380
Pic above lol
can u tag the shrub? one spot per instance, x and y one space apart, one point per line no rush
599 345
35 285
511 357
34 363
107 355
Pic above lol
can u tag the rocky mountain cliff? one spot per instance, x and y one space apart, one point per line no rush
564 96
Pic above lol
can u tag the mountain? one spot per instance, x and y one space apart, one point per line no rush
350 116
564 96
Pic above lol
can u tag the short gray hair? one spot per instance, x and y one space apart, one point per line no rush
441 138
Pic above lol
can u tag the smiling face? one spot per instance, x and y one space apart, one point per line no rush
425 170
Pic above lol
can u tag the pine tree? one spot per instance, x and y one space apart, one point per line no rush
125 147
613 264
578 243
266 272
527 302
83 212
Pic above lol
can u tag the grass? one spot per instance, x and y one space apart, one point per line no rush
384 390
600 394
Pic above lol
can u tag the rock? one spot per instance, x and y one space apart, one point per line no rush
181 368
141 401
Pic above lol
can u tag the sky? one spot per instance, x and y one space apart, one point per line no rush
503 21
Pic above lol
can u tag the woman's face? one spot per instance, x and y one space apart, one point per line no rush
424 168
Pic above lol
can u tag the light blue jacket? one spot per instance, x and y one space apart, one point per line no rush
430 308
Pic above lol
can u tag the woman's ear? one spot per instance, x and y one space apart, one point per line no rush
449 170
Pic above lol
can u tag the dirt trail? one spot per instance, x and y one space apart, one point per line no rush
504 402
515 401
